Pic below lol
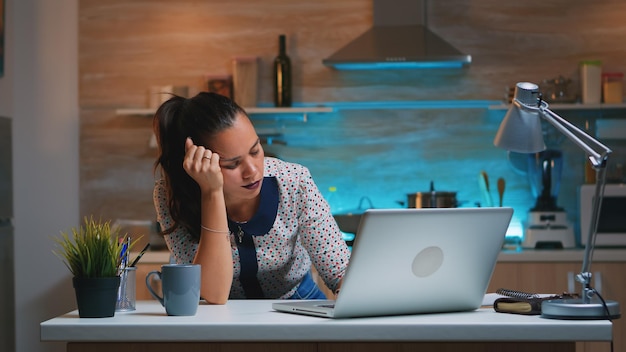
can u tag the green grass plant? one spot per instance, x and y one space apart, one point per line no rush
93 249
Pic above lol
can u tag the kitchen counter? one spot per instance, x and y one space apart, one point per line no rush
562 255
255 321
521 255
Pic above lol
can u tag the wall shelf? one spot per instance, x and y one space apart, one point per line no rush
412 104
327 107
571 106
251 110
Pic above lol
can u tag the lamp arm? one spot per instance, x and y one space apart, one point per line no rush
598 158
579 137
585 274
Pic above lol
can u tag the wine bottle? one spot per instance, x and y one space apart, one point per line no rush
282 76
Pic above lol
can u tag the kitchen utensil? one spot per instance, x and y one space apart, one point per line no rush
501 186
483 184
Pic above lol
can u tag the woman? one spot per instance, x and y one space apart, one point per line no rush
254 224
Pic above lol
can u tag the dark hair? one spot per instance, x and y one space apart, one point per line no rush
200 118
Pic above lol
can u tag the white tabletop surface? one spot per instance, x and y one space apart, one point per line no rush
254 320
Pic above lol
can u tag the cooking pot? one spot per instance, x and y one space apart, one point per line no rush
432 199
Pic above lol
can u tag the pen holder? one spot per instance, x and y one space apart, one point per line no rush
126 295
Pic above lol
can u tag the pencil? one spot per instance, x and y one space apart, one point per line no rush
140 254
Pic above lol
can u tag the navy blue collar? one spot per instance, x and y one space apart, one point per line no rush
263 220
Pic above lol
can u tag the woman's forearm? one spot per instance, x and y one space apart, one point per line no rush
214 250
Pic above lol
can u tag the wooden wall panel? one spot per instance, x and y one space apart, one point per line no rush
127 46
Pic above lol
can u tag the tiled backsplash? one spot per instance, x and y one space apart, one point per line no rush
386 154
380 154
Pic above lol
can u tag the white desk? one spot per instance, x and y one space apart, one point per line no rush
253 321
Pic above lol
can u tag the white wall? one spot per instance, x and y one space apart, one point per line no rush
6 80
40 92
7 290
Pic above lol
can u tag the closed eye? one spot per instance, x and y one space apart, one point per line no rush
233 163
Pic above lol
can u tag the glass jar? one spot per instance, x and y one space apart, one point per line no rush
612 87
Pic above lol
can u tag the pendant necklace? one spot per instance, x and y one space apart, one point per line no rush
240 232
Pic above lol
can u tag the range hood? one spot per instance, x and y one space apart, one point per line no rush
399 39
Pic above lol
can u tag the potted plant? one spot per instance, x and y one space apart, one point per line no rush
94 253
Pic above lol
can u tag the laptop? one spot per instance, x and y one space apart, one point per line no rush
412 261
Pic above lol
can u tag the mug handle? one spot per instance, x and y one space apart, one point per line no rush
154 294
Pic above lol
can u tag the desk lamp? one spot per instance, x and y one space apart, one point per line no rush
520 131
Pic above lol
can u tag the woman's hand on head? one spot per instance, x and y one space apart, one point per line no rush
203 166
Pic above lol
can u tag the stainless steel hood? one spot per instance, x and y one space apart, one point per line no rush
399 39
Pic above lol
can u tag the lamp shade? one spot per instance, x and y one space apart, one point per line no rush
520 130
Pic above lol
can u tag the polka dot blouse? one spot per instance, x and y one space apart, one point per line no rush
303 233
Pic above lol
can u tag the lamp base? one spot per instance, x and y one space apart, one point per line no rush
576 309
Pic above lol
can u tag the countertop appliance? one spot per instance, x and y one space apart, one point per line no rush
547 225
612 223
7 288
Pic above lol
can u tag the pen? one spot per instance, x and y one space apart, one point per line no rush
127 256
140 254
123 253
